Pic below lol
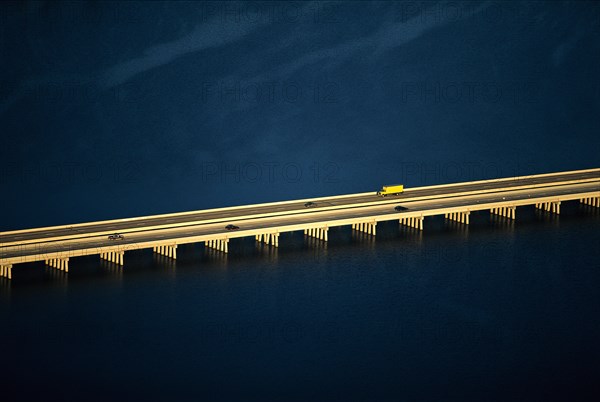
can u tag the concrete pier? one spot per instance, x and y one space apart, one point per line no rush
218 244
507 212
318 233
413 222
592 201
553 206
168 251
366 227
62 264
116 257
6 271
268 238
461 217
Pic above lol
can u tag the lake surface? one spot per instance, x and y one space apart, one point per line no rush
498 311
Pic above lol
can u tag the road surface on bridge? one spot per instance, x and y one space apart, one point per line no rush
337 217
230 214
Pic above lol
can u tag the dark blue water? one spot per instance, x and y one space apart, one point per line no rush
498 311
112 110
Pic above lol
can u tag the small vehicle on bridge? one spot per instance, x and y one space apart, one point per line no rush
400 208
116 236
395 189
232 227
310 204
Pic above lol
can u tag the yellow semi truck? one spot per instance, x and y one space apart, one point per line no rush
391 190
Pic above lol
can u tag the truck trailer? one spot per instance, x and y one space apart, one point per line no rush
391 190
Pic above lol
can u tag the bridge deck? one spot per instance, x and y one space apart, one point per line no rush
289 207
418 208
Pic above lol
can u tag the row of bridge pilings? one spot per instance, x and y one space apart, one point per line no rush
462 217
61 264
415 222
6 271
318 233
115 257
218 244
553 206
167 251
268 238
507 212
593 201
366 227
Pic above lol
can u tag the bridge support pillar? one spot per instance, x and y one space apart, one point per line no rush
269 238
113 256
553 206
593 201
366 227
414 222
507 212
6 271
218 244
319 233
462 217
62 264
167 251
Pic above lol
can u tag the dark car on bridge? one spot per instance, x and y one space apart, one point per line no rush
232 227
310 204
116 236
400 208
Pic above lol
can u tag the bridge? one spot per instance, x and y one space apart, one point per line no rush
56 245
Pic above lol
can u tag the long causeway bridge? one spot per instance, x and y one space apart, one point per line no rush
265 222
